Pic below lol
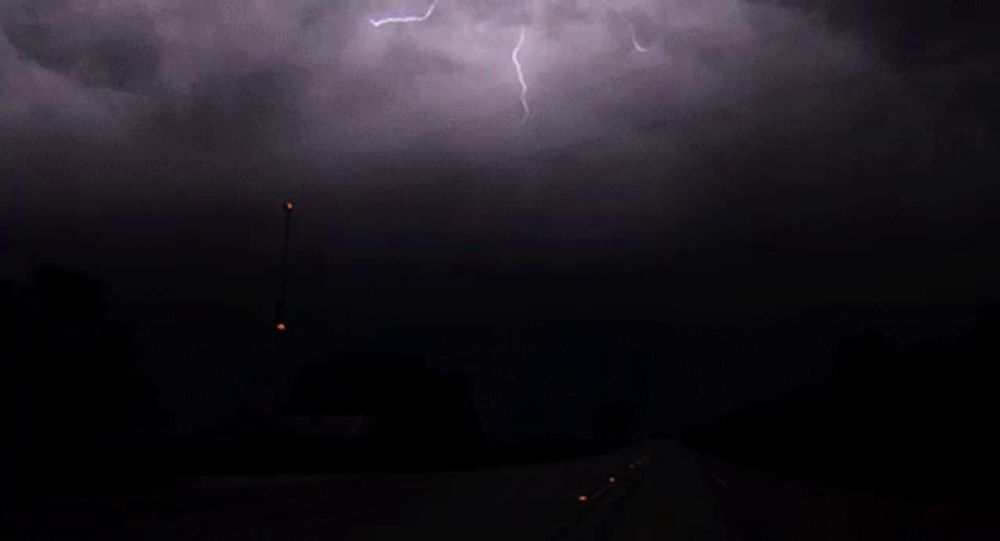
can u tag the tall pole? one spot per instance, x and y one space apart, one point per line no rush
281 324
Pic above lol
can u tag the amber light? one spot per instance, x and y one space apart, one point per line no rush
582 498
289 206
281 327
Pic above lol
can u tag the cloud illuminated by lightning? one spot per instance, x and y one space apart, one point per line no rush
520 75
514 55
406 19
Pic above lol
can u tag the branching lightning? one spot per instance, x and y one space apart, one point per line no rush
513 55
406 19
520 75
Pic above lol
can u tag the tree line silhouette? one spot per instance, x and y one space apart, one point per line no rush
916 420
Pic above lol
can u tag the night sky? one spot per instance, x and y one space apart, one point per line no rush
705 197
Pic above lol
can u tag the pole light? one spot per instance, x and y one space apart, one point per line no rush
281 319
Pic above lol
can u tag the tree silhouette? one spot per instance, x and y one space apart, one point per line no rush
419 414
616 423
76 399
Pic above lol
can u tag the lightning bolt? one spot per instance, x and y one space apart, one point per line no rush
520 75
407 19
635 41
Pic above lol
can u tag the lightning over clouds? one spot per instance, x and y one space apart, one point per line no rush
635 39
584 160
406 18
514 56
318 83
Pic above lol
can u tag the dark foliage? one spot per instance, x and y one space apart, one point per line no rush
914 420
419 415
75 402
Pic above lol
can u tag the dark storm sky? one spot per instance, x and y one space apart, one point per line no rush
761 159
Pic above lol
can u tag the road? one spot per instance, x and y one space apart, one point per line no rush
660 491
657 492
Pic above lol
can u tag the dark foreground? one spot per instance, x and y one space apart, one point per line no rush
660 491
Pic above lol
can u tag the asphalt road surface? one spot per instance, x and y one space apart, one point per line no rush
656 491
647 492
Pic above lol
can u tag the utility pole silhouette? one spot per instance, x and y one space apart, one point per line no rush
281 321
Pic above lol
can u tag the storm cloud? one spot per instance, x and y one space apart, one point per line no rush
735 120
682 158
318 74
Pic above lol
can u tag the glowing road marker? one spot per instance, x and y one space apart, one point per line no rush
407 19
520 75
